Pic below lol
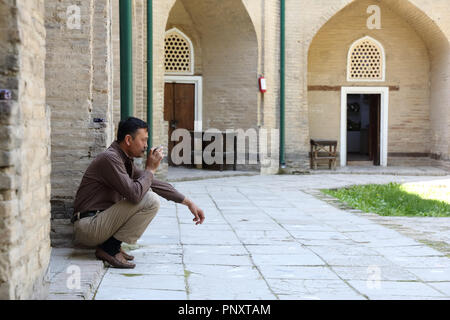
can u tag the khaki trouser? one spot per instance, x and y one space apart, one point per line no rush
125 221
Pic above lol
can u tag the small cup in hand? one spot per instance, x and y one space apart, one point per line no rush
154 158
158 148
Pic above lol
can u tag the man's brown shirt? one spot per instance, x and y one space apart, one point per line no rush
113 177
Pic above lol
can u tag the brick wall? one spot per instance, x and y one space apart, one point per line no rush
79 90
115 42
270 53
181 19
230 62
228 54
407 66
140 57
430 20
25 153
305 18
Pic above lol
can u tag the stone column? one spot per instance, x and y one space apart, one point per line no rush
271 100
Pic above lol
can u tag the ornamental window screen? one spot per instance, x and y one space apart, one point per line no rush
366 61
179 55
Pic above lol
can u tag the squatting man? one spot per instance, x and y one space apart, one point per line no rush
116 201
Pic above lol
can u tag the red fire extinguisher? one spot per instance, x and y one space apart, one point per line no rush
262 84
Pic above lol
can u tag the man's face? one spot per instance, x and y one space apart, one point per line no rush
138 145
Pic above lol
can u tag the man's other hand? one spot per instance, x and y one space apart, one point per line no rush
196 211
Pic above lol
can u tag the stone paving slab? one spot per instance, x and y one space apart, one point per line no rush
65 266
218 259
157 258
424 262
187 174
396 290
268 237
343 250
298 272
307 259
383 273
443 287
314 290
357 261
176 269
431 274
139 294
213 288
412 251
207 249
144 281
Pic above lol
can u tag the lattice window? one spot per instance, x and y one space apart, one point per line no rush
366 61
179 55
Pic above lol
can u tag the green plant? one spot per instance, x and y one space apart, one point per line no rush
395 199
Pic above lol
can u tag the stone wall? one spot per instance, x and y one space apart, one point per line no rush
304 20
115 42
265 16
182 20
140 58
24 153
407 67
227 40
79 91
270 67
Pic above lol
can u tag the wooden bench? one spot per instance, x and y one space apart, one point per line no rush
320 152
224 153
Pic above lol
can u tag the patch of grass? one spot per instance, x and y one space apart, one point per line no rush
396 200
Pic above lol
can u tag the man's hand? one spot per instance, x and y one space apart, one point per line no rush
154 159
196 211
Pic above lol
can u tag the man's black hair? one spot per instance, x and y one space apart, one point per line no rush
130 127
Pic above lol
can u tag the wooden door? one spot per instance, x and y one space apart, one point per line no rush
374 129
179 109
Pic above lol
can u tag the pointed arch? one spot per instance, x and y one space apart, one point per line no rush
366 61
179 58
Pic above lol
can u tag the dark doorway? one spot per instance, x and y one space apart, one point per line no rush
179 110
363 129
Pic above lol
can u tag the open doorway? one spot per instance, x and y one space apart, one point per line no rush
379 128
363 129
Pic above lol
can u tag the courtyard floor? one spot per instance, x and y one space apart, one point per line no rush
273 237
